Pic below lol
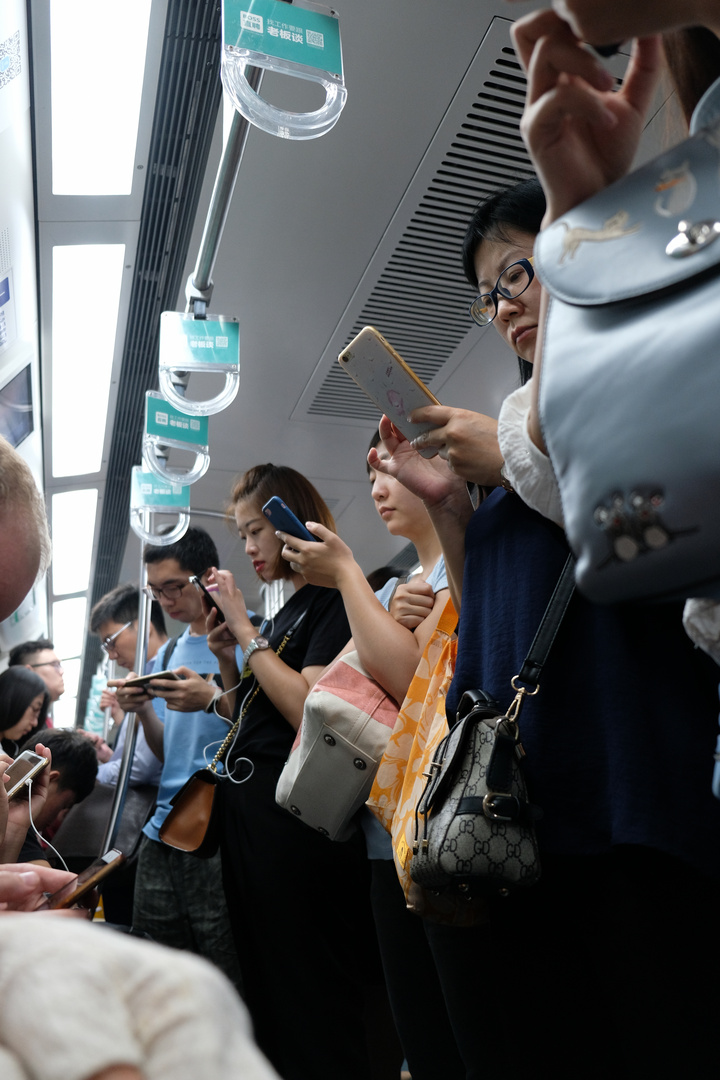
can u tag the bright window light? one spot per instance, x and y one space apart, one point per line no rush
69 626
73 529
97 69
86 295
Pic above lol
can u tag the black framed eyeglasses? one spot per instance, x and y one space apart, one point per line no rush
108 643
170 592
512 283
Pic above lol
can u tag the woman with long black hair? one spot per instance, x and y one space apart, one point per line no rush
24 704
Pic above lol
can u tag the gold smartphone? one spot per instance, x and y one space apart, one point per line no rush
383 375
25 766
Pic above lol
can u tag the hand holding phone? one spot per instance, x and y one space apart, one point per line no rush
282 518
387 380
85 882
25 766
209 597
143 680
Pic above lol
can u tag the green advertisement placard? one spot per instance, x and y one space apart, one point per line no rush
189 342
165 421
292 33
149 490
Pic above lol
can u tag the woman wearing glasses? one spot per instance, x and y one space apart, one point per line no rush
24 704
626 719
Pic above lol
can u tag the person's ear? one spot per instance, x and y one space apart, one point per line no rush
54 776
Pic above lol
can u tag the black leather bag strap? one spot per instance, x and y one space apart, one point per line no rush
550 624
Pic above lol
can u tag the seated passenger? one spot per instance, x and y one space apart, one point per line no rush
23 707
70 779
40 657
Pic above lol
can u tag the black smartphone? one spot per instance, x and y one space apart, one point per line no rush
85 882
25 766
282 518
209 597
143 680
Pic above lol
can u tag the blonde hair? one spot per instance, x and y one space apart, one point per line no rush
19 497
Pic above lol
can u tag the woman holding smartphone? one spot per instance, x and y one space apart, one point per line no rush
299 904
390 646
24 704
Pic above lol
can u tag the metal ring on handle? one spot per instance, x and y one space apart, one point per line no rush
282 122
152 462
200 408
162 540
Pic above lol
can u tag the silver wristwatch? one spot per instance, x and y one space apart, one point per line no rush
258 642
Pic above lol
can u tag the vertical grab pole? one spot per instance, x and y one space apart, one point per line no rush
131 719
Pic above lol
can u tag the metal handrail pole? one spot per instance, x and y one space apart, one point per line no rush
200 284
131 720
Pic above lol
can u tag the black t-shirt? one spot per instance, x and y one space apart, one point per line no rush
265 735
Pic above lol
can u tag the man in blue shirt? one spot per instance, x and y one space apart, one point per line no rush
115 621
179 899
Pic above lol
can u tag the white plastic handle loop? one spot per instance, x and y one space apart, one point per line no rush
282 122
154 462
199 408
137 524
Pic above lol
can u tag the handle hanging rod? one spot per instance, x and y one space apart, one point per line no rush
200 285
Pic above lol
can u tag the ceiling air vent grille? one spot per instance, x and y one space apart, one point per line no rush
420 297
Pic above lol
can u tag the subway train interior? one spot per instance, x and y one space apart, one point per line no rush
113 137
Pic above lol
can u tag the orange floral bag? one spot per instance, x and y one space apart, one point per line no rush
420 726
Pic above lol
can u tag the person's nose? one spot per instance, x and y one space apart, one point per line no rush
508 306
379 487
250 546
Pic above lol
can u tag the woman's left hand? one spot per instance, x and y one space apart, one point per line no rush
582 134
232 603
321 563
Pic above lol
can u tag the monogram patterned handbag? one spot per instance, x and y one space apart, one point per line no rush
474 825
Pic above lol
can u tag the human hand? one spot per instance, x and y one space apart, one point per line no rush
466 440
581 134
234 608
604 22
190 693
23 885
431 479
108 700
412 602
325 562
131 698
20 807
103 751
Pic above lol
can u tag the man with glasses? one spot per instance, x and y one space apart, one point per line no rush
115 621
179 899
41 657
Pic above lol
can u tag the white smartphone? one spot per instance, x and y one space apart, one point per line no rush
25 766
387 380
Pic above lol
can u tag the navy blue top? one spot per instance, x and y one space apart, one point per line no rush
620 739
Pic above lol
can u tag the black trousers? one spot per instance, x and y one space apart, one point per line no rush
415 993
607 968
299 908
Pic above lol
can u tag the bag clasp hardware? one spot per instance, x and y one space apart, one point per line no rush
692 237
495 802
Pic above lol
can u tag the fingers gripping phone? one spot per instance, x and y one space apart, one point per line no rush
25 766
282 518
143 680
387 380
85 882
208 596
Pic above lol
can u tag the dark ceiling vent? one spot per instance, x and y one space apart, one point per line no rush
420 297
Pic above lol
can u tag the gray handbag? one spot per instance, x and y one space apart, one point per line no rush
630 384
474 825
